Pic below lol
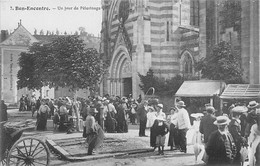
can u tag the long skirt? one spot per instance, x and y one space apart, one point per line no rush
95 139
110 124
152 137
173 136
42 121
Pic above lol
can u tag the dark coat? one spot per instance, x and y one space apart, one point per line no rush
141 112
207 126
235 130
216 149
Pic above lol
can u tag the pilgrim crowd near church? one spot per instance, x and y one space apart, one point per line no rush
171 67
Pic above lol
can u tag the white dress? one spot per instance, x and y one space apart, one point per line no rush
150 118
197 135
253 141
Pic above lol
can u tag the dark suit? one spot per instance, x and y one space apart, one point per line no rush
207 126
220 149
141 112
235 131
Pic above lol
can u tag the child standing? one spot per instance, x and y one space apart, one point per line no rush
160 130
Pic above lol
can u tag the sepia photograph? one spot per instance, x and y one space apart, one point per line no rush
130 82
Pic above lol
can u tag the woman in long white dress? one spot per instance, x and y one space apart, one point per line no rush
197 136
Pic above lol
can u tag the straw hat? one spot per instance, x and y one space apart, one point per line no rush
181 104
160 105
252 104
222 120
240 109
196 115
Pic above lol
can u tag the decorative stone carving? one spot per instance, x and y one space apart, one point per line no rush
127 68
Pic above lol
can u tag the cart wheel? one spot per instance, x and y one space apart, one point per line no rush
29 151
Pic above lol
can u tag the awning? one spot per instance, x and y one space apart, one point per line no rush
200 88
241 91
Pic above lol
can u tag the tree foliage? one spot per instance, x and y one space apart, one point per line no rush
64 62
222 64
163 87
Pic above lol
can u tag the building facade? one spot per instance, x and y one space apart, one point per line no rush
10 48
237 22
138 35
169 36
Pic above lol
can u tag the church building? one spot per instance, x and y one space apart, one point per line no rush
138 35
170 36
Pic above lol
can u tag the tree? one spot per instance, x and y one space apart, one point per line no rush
222 64
163 87
26 76
65 62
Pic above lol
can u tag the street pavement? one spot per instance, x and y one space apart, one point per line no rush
144 156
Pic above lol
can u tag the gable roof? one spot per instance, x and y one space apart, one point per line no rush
20 37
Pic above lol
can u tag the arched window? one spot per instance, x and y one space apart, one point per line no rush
187 64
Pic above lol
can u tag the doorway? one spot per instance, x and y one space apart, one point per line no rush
127 86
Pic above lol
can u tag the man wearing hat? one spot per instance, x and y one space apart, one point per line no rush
206 124
183 125
251 117
142 115
221 148
235 131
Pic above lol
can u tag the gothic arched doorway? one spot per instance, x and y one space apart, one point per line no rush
120 73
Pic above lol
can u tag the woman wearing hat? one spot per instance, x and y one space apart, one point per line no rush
93 132
235 131
63 111
221 148
196 139
254 143
42 115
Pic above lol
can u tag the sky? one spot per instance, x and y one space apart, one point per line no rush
64 15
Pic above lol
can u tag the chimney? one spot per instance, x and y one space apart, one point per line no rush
4 35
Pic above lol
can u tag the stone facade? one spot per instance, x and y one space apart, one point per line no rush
160 37
164 39
237 22
11 48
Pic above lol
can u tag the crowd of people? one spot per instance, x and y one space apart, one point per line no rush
222 137
230 139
